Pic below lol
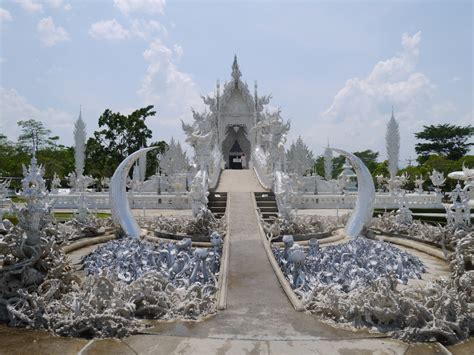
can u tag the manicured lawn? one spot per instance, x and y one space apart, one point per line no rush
60 216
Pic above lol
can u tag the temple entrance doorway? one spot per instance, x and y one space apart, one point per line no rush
236 148
235 157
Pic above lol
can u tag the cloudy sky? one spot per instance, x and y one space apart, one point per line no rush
334 68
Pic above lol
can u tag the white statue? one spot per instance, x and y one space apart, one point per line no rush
82 212
404 215
438 180
419 184
466 175
55 183
458 214
37 212
395 183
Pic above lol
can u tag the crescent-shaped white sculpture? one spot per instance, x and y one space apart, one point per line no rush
364 208
119 206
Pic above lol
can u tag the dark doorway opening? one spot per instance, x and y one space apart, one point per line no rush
235 162
235 156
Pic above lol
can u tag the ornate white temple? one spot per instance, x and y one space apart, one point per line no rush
236 117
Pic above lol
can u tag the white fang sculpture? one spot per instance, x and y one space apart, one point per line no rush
364 208
119 206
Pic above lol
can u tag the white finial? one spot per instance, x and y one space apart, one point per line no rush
236 74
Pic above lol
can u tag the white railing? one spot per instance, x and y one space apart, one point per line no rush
215 168
101 201
260 167
381 201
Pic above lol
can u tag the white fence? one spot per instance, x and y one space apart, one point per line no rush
349 200
101 201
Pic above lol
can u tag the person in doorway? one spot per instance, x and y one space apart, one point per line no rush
244 161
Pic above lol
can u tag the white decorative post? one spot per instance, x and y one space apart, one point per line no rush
392 139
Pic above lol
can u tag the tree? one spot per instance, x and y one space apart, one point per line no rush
369 158
449 141
35 135
119 137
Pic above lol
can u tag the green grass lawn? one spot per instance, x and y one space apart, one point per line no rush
18 199
60 216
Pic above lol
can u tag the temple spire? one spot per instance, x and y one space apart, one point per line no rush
236 74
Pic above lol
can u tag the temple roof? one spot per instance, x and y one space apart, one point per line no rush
236 73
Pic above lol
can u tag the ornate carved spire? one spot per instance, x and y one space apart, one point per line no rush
392 139
236 74
79 144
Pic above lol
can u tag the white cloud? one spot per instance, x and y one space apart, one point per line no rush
171 90
146 29
113 30
49 33
143 6
30 5
16 107
5 15
55 3
359 112
109 29
67 7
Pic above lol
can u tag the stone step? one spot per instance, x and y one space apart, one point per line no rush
265 199
268 209
217 209
217 203
266 203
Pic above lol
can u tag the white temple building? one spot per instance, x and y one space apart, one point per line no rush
235 113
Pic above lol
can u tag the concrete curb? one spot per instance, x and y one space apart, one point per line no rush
223 282
87 242
294 300
194 244
334 238
414 245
